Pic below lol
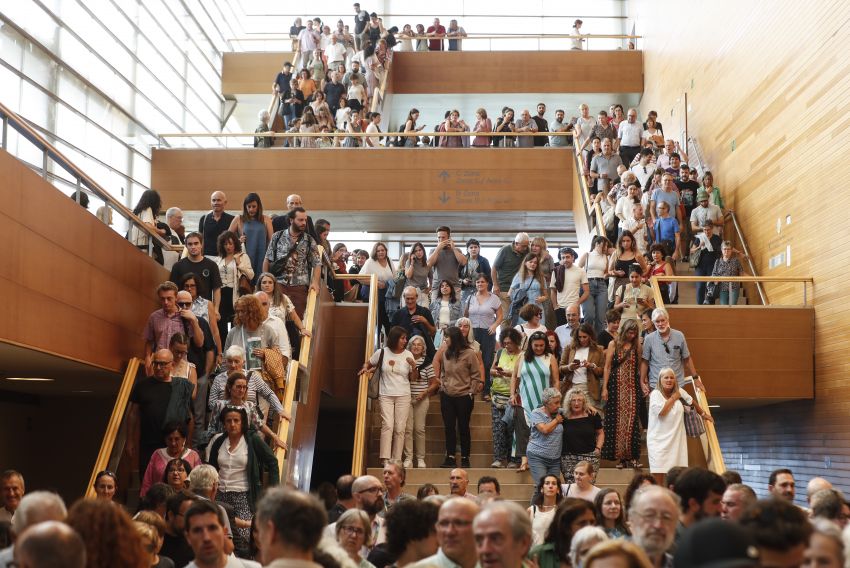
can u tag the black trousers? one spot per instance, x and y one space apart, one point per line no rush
456 411
560 317
627 154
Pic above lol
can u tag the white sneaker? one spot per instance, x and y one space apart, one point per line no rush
420 463
408 463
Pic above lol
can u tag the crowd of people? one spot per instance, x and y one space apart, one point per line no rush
696 518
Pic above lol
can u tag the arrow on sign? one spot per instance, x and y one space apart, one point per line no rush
444 175
444 198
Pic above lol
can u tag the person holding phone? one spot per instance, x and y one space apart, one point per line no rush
634 297
583 364
446 260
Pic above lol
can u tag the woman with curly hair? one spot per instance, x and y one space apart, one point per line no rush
250 333
232 263
109 535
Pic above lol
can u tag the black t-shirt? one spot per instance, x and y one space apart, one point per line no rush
152 396
198 355
333 92
580 434
542 126
296 107
281 223
177 549
206 272
282 80
403 318
688 192
211 229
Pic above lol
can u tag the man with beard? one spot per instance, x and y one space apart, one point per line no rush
654 515
368 494
701 492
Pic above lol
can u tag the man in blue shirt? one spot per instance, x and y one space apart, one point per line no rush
663 348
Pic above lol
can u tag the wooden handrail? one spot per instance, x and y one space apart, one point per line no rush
335 134
714 459
273 105
278 37
358 458
119 411
593 211
378 96
10 118
303 362
665 278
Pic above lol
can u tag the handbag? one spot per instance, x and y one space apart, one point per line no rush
395 286
695 257
274 370
374 390
694 426
519 298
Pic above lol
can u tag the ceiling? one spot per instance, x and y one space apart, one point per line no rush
70 378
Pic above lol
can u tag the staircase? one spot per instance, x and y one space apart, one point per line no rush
515 486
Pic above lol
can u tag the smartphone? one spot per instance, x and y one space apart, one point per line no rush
576 362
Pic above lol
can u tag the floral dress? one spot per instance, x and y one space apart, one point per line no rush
622 425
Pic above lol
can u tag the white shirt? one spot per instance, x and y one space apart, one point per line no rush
376 140
233 562
574 277
644 177
335 52
583 128
232 466
629 133
279 326
596 264
564 332
580 374
624 209
713 213
395 372
632 225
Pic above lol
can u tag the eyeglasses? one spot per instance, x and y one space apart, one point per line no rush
456 523
667 349
371 490
161 363
184 304
353 530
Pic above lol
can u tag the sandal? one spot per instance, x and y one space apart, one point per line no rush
621 464
485 397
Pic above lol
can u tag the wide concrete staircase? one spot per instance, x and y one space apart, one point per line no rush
515 486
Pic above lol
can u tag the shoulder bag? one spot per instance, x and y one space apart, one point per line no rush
519 298
375 380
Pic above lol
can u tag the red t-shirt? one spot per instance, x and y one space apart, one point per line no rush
436 44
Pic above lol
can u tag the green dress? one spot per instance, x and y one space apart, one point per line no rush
534 377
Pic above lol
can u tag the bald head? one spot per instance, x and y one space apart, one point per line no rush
816 484
184 296
37 507
218 200
458 481
293 201
264 303
51 544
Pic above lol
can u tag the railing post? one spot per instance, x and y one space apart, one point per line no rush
44 159
805 293
77 195
5 131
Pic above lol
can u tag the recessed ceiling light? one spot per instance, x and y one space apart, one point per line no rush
30 379
83 391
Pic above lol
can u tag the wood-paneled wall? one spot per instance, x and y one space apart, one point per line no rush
349 346
71 286
768 88
517 72
382 179
251 73
750 352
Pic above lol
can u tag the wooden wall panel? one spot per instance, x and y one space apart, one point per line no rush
384 179
251 73
768 85
71 285
517 72
348 349
750 352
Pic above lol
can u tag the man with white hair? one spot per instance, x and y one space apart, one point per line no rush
11 490
281 222
629 134
654 516
51 544
174 219
666 347
502 532
203 482
368 494
36 507
507 263
276 324
214 223
264 127
816 484
234 359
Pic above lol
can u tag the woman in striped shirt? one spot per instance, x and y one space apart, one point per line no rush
422 386
536 371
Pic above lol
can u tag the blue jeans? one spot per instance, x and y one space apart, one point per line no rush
488 347
701 286
729 298
541 466
596 304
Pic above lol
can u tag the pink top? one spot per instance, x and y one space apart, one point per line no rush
482 126
156 467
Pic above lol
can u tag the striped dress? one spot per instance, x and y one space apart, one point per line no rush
534 377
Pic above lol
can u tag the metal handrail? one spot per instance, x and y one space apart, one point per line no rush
105 456
703 167
358 458
280 37
50 152
303 363
714 459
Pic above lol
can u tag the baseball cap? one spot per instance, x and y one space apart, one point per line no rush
715 543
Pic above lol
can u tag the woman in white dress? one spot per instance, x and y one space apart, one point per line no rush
542 510
381 266
666 442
